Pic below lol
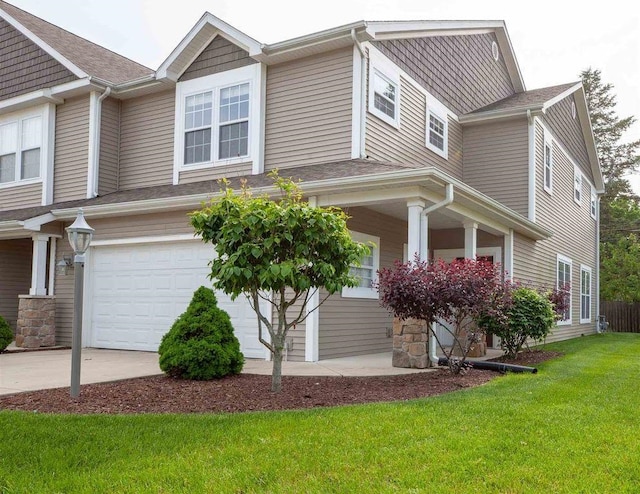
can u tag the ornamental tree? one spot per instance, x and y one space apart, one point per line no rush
457 293
279 250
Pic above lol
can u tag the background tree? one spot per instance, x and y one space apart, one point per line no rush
620 273
619 206
281 251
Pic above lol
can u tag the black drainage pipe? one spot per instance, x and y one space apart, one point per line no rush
494 366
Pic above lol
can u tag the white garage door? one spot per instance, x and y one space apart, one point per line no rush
138 291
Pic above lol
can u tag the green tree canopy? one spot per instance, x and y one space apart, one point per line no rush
279 250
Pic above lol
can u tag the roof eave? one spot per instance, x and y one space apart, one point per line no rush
492 115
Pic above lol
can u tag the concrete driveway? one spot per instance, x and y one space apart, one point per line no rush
44 369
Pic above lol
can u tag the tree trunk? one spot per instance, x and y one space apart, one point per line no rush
276 374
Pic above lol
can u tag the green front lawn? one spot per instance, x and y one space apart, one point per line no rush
573 427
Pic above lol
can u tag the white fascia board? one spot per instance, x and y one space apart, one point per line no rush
236 36
500 114
589 139
561 96
509 56
37 221
399 27
44 46
30 99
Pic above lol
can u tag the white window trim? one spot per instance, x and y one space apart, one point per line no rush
587 269
548 142
251 74
364 292
566 260
577 185
46 143
440 112
593 204
387 70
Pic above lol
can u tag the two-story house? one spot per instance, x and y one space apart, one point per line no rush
422 131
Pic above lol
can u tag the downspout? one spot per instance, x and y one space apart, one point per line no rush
448 199
95 151
532 167
597 266
363 92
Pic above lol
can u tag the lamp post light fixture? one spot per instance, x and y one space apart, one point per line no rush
80 235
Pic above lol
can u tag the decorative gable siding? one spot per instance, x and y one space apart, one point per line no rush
408 143
71 150
24 66
109 146
496 162
458 70
574 236
569 131
146 141
220 55
309 110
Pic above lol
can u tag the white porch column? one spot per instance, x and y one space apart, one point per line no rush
470 239
312 322
508 255
39 265
414 209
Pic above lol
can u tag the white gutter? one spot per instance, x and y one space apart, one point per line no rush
448 199
499 114
597 266
94 142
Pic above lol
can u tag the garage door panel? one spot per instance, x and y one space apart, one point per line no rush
140 290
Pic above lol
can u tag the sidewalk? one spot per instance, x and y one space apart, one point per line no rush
44 369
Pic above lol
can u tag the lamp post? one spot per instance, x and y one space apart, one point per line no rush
80 234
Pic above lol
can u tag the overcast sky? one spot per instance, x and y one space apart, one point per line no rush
553 40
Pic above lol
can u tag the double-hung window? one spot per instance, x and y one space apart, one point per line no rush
384 90
548 165
585 294
437 128
217 120
564 285
20 149
367 270
577 185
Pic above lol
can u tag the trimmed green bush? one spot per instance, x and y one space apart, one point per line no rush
529 316
201 345
6 334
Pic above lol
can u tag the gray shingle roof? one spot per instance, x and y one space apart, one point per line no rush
87 56
526 99
309 173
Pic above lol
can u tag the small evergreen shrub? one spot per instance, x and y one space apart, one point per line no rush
201 345
6 334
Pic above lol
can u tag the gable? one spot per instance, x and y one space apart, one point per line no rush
559 118
25 67
220 55
458 70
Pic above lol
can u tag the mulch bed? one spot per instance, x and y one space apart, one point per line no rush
249 392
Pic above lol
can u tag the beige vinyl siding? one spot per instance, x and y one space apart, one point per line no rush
496 162
64 294
15 276
21 196
359 326
309 110
142 225
574 236
146 140
109 146
71 159
458 70
213 173
408 143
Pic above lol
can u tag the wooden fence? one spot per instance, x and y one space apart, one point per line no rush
622 316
